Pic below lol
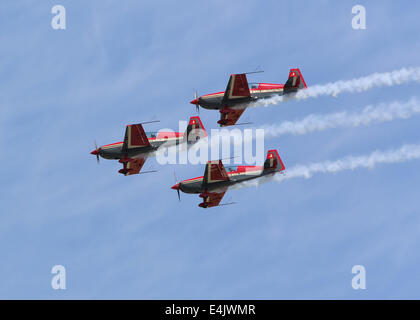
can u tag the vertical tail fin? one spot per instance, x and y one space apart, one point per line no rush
195 130
294 82
273 162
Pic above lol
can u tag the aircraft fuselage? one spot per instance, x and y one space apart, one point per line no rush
197 185
214 101
114 151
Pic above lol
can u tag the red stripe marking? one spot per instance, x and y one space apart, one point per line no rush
112 144
268 86
211 94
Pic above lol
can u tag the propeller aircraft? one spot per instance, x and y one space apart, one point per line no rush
213 185
138 145
238 95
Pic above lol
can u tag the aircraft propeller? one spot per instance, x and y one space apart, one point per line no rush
195 101
96 152
177 187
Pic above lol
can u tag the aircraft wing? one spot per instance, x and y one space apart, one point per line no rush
215 172
229 116
132 166
212 199
237 88
135 137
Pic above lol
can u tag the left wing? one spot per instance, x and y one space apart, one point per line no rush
237 88
135 137
236 93
229 116
132 166
215 172
212 199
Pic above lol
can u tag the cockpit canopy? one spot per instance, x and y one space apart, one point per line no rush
265 86
151 134
231 168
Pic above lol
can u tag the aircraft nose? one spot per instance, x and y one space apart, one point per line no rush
195 101
175 186
95 152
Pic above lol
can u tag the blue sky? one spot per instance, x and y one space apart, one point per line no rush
128 237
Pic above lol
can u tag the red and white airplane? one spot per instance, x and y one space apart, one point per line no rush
238 95
216 180
138 145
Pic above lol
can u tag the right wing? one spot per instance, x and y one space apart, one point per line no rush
135 137
229 116
212 199
132 166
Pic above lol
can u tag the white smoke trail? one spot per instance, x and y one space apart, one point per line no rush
396 77
405 153
236 138
370 114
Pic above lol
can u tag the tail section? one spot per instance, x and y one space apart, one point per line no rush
273 162
295 81
195 130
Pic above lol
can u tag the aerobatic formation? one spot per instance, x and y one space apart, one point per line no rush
138 145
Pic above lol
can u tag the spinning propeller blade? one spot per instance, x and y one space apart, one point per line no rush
97 152
197 106
177 187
